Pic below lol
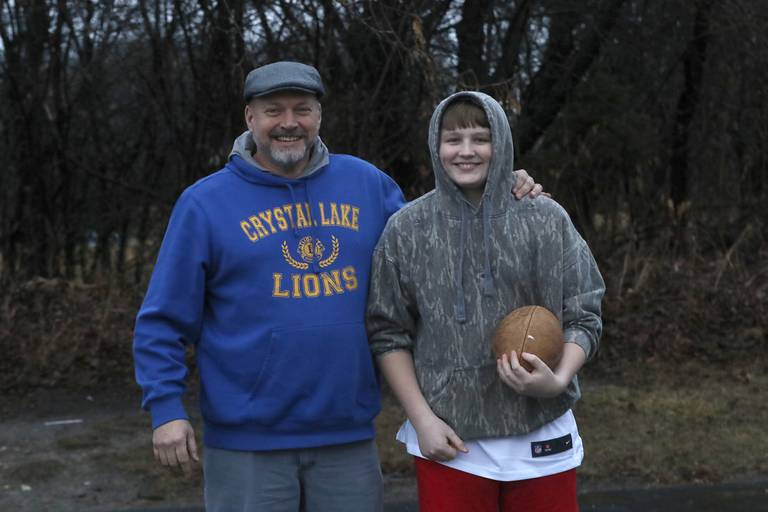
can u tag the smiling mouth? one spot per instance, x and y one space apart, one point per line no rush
466 165
286 138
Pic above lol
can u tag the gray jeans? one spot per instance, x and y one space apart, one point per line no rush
336 478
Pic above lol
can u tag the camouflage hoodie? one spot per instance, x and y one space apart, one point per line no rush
444 273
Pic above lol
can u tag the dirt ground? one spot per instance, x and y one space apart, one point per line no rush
651 424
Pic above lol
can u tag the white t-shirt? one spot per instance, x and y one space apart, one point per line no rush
551 449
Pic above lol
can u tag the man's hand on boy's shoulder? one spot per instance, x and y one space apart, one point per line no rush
526 185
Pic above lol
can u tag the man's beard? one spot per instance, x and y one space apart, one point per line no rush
287 157
281 157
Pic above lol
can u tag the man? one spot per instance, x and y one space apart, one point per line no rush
264 268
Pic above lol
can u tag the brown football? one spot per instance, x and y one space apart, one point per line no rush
532 329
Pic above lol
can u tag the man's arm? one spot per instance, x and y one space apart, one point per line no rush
170 319
525 185
174 445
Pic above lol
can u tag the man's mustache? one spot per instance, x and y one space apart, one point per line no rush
296 132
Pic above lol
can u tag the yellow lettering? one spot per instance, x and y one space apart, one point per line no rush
355 213
345 215
247 229
280 218
289 210
331 283
311 285
308 213
350 279
260 229
266 216
278 291
296 278
334 215
323 220
301 221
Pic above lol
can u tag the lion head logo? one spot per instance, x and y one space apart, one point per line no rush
310 249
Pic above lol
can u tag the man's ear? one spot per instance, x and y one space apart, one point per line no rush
247 114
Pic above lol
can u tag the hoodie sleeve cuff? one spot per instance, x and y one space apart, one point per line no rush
581 338
380 348
166 410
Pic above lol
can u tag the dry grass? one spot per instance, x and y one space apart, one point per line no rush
655 424
689 423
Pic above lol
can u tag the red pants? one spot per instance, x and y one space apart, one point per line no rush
444 489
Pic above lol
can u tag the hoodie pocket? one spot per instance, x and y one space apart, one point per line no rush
318 377
434 381
460 397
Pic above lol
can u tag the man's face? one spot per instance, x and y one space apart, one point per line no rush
284 127
465 154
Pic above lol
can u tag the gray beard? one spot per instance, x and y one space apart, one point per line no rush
287 157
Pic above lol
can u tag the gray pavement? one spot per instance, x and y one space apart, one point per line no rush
742 497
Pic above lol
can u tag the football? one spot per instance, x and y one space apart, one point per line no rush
532 329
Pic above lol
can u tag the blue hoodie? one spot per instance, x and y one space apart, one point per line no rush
268 278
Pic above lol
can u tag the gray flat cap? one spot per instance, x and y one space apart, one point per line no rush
280 76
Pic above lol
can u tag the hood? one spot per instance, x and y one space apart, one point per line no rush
244 147
241 162
501 178
497 196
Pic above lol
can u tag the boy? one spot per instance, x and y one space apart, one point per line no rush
486 434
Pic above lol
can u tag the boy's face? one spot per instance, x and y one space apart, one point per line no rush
465 154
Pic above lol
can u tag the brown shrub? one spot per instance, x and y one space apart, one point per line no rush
56 332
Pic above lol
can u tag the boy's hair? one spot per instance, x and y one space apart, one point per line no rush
463 113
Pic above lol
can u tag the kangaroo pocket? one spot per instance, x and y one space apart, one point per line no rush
459 396
317 377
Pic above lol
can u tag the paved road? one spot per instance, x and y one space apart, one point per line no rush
748 497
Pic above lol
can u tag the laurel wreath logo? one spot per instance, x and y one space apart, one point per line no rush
310 251
292 262
334 253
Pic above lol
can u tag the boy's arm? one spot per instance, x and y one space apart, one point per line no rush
437 441
391 319
583 290
542 382
391 312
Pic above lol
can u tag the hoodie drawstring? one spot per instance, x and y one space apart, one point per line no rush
489 286
293 201
314 267
313 228
460 309
489 289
